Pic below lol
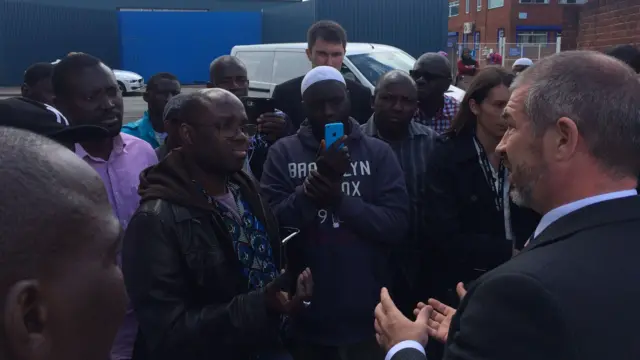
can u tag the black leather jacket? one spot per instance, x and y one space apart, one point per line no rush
187 287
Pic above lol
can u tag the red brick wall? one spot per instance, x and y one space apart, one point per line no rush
570 27
605 23
487 22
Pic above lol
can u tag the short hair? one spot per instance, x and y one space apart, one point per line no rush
628 54
33 175
37 72
154 79
596 91
394 75
486 79
437 64
327 30
67 67
181 108
174 106
224 60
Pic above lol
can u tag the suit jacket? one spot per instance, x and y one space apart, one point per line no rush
288 99
571 294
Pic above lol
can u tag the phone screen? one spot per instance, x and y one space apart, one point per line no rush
332 133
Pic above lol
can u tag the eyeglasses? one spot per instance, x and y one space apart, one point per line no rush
231 133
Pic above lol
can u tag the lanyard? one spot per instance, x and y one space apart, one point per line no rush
496 179
499 186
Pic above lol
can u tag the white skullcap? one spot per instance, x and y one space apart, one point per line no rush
523 62
320 73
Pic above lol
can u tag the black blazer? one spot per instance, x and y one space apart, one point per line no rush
289 100
570 295
465 232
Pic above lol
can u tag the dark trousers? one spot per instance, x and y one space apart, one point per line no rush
364 350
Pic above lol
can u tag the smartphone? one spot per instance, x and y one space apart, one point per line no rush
332 133
255 107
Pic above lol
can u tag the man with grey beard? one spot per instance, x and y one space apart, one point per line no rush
571 148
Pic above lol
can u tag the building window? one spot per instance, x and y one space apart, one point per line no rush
478 5
572 1
467 6
534 1
492 4
454 8
533 37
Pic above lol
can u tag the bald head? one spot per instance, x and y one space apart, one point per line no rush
433 63
229 73
395 77
599 93
50 198
221 96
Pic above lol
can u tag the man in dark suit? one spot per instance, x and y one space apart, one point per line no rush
572 136
327 44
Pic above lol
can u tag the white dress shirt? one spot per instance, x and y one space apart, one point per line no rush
546 220
404 345
563 210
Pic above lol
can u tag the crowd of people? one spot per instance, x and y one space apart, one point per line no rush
505 220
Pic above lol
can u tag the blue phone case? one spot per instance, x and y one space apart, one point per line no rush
333 132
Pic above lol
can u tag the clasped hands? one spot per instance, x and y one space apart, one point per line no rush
323 185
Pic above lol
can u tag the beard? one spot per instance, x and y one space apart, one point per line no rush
525 178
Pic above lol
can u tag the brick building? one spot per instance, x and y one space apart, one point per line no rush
530 27
600 24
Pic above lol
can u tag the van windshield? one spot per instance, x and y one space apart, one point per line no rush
373 65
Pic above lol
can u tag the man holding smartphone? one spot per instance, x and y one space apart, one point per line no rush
229 73
350 202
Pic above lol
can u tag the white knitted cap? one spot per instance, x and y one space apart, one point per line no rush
320 73
523 62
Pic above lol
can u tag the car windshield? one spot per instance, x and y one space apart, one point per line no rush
374 64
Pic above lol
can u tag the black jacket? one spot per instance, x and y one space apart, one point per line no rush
465 231
183 276
570 295
288 98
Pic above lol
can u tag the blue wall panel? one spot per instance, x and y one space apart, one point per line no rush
287 23
32 33
415 26
183 43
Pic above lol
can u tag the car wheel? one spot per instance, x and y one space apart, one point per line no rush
123 89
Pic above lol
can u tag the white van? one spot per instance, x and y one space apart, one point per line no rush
271 64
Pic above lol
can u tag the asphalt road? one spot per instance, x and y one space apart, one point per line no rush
134 106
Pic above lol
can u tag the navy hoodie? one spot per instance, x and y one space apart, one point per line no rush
347 248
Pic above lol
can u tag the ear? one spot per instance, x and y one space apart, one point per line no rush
566 138
185 134
25 315
145 96
308 51
24 90
473 105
